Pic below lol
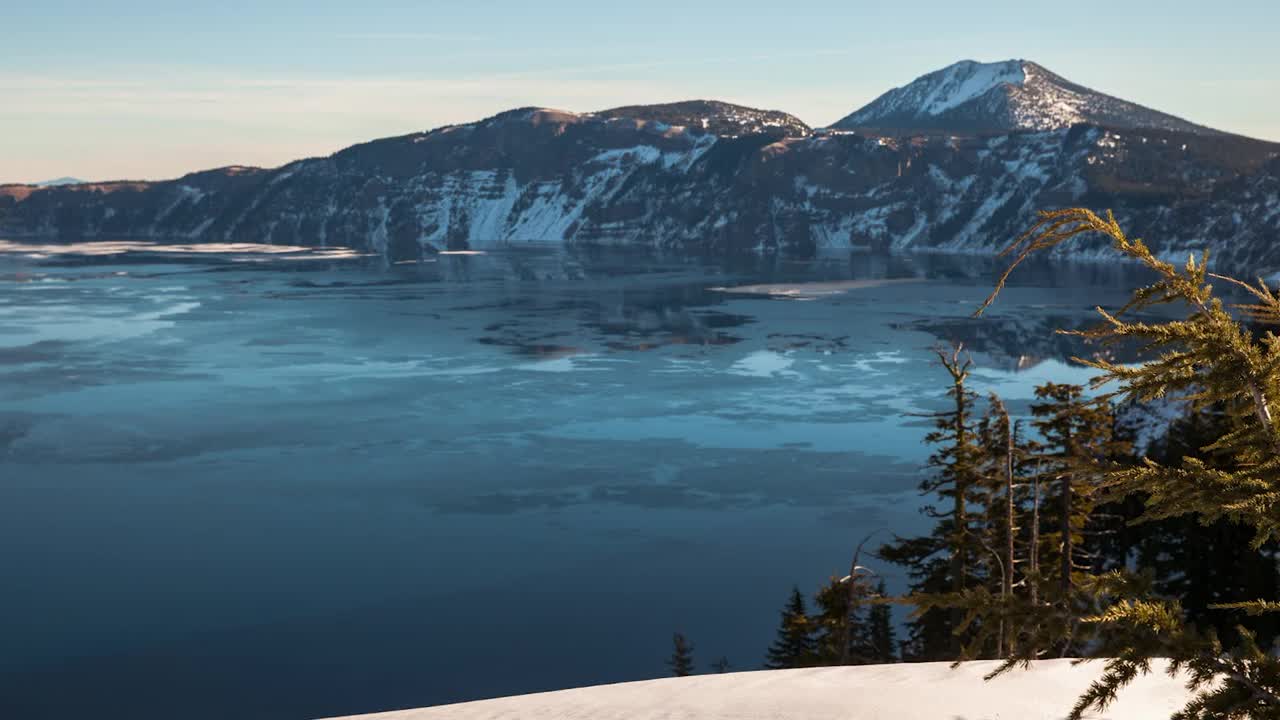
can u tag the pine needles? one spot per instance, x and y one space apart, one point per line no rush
1210 356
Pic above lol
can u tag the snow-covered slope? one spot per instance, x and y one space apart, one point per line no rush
926 691
950 87
1001 96
720 118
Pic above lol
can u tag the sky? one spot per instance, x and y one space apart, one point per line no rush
149 89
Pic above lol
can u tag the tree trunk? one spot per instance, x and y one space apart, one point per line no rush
958 560
855 602
1009 529
959 566
962 477
1033 562
1067 545
849 613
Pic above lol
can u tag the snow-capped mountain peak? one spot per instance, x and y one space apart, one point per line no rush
957 84
971 96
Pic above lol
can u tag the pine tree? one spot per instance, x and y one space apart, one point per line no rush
794 646
1078 448
1002 608
838 626
1199 564
681 660
881 638
944 561
853 625
721 666
1210 357
1003 461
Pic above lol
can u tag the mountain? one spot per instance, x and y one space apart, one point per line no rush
59 181
1004 96
720 118
700 177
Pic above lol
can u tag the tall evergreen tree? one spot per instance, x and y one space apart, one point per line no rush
1213 359
944 561
1078 448
681 660
795 645
1002 608
1020 606
1003 461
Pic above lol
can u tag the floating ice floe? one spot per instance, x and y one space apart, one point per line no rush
105 248
810 290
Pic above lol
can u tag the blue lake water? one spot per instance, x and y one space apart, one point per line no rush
241 485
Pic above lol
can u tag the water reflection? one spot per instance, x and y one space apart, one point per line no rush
1021 342
214 469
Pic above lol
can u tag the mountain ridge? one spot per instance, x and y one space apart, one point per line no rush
715 116
658 176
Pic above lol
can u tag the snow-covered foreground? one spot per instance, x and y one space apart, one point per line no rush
920 691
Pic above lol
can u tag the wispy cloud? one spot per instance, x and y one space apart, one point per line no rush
411 35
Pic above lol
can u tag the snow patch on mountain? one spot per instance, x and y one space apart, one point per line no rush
711 116
967 80
940 91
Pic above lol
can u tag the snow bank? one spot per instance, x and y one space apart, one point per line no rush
922 691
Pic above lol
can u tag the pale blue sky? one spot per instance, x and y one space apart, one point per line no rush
150 88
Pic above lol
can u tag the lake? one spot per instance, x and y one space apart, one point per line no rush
290 485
